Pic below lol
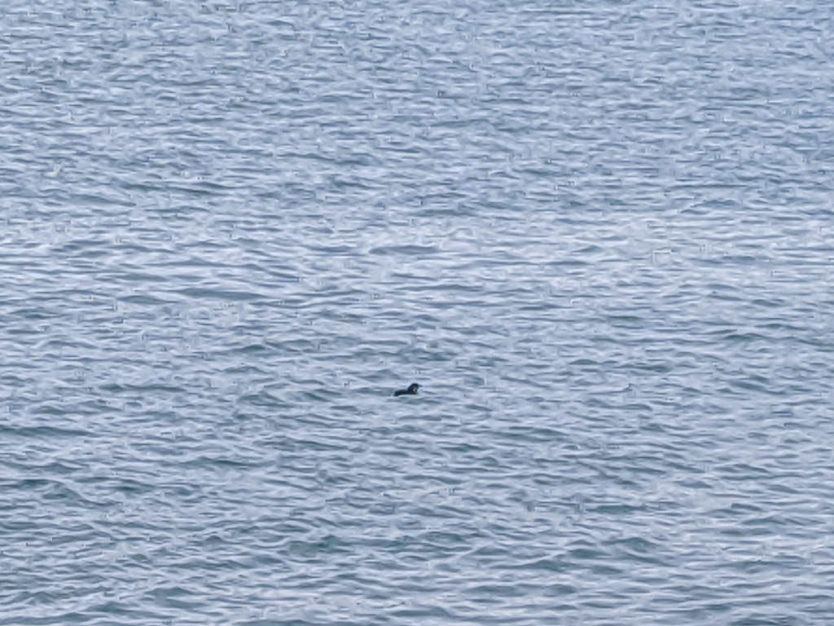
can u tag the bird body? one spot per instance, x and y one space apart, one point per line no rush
411 391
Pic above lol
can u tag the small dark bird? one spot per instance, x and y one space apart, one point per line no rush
411 391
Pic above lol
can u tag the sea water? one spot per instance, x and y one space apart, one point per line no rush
597 234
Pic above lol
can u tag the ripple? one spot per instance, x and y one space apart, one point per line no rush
231 230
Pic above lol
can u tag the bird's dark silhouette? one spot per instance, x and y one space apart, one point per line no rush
411 391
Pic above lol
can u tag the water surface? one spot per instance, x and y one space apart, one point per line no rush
598 235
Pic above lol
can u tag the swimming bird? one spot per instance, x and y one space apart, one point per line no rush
411 391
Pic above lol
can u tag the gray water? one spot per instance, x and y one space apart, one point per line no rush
599 234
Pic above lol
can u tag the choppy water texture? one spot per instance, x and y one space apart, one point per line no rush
599 234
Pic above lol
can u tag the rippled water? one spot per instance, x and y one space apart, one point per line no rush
598 234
